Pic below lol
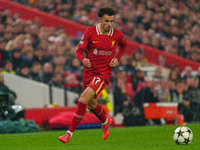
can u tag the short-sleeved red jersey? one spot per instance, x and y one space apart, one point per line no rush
100 49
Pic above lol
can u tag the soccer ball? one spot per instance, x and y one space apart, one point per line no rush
183 135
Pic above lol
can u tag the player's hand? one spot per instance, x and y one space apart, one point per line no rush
86 62
113 62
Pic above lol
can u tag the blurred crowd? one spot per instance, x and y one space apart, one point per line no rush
168 25
179 87
33 51
47 55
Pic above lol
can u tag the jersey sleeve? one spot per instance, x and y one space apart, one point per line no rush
82 45
122 47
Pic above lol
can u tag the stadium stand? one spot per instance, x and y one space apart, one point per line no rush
160 24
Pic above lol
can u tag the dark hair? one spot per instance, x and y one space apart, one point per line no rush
56 73
106 10
23 65
36 63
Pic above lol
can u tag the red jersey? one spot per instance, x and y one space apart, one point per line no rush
100 49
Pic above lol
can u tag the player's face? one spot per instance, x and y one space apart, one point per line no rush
106 23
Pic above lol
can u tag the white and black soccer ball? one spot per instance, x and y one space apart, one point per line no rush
183 135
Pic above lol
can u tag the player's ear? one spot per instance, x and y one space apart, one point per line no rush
100 19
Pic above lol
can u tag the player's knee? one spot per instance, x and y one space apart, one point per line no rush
82 100
91 106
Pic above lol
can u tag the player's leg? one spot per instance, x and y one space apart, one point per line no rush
84 99
98 111
98 84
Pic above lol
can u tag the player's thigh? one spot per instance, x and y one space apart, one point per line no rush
87 95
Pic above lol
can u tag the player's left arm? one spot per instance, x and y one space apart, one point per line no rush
122 46
114 62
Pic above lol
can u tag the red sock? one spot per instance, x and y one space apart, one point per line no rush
98 111
78 115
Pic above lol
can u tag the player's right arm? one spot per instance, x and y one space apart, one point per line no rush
79 55
81 48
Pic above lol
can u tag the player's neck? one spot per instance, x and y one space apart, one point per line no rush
103 31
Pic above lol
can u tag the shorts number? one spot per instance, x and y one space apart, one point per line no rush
96 80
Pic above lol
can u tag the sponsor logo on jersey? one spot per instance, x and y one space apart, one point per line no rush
95 51
105 53
101 52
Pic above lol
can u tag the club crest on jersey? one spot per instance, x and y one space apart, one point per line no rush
95 51
113 43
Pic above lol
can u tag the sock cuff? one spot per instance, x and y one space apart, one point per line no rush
98 110
104 123
82 104
70 133
80 110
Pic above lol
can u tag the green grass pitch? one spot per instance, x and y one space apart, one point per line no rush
126 138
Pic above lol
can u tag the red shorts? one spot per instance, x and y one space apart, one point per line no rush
97 82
